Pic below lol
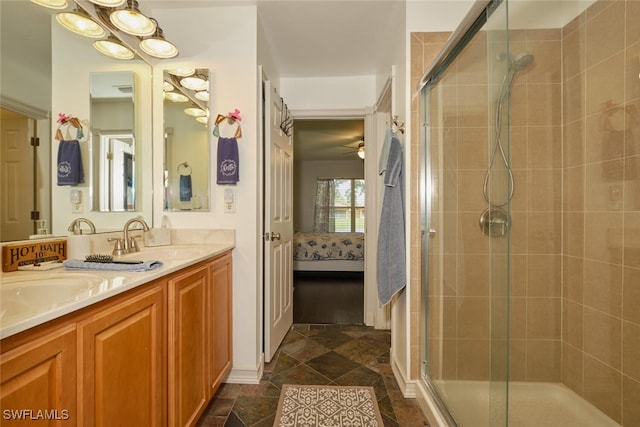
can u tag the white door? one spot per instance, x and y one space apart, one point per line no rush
16 182
278 225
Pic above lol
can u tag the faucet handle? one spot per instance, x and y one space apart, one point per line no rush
117 247
133 245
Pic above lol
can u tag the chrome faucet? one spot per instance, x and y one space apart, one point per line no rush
130 244
74 227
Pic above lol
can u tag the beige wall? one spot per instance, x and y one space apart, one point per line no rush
575 238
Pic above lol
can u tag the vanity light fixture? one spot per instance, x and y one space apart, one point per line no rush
175 97
360 151
79 22
52 4
167 87
195 82
203 95
132 21
113 48
195 112
108 3
157 46
203 119
182 72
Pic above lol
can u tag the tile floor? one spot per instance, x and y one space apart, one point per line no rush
317 354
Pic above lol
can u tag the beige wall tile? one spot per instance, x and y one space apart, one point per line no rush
603 183
574 234
603 236
573 324
605 84
631 295
573 143
574 189
472 148
605 34
632 83
473 273
473 359
545 147
547 66
631 186
544 233
544 104
602 337
574 98
574 54
573 278
473 317
603 287
545 190
572 368
543 360
543 318
632 239
603 388
630 407
518 360
631 350
544 276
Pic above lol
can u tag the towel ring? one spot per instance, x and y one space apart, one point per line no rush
186 166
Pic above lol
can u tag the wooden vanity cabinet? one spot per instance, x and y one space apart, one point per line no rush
199 336
152 356
220 343
188 338
122 369
40 375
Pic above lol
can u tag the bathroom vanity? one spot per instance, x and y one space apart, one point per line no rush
144 349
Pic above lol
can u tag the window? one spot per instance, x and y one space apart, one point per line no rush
339 205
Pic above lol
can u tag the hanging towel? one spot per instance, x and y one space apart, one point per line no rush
228 166
384 153
185 188
391 274
70 171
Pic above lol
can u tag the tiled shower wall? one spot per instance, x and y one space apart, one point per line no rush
601 204
575 242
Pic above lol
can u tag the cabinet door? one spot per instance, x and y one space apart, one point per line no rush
122 370
188 389
39 381
220 344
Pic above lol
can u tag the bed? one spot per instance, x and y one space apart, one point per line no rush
328 251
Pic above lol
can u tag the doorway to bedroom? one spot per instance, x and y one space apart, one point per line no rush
329 223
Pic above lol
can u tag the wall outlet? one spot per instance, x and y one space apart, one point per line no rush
229 201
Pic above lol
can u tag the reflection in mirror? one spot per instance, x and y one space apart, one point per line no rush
113 148
186 140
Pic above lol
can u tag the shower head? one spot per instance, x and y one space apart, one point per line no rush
522 60
518 62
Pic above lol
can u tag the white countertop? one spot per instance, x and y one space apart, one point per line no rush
30 298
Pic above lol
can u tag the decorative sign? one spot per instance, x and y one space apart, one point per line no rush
19 254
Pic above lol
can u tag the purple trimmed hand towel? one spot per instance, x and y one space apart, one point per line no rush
228 165
70 170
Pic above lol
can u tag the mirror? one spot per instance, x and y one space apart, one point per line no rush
112 142
50 71
186 141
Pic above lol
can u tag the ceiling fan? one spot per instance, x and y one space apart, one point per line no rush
359 149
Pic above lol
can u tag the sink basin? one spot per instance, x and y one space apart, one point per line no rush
170 253
23 296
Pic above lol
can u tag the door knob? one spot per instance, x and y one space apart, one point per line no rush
275 236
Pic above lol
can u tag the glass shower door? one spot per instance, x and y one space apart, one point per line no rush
466 253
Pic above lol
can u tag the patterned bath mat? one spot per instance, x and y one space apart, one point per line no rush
335 406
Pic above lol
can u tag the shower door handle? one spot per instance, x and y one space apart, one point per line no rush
432 232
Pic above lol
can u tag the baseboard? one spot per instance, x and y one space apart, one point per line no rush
407 387
246 376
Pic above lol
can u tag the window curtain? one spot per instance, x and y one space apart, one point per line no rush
324 211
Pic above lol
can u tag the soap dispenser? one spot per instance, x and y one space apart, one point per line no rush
78 243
